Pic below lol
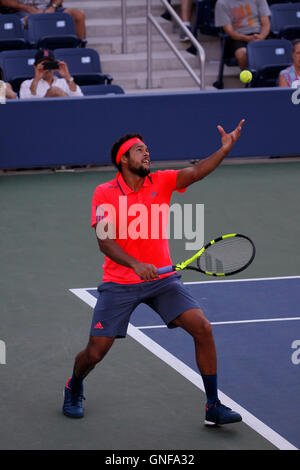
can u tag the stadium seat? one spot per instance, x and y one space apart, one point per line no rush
285 20
17 66
53 31
266 59
84 65
11 33
102 90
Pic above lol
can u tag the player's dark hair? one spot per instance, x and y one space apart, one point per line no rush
117 145
295 42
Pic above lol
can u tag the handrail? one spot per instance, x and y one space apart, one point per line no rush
198 47
124 27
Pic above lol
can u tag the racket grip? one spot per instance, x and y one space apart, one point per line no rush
165 269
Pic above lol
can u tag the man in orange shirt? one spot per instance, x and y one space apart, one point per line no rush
243 21
130 273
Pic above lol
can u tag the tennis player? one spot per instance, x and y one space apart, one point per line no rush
130 274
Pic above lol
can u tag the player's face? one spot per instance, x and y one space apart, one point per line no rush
139 160
296 55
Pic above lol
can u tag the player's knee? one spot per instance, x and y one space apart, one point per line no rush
203 330
95 354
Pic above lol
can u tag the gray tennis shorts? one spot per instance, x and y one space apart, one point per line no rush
169 297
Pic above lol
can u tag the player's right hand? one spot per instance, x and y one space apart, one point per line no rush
145 271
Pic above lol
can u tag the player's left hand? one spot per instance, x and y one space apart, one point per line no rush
228 140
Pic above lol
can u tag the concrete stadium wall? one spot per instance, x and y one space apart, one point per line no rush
175 126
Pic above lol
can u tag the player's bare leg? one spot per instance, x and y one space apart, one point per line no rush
85 361
194 322
95 351
197 325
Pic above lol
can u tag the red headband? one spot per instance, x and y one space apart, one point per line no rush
126 146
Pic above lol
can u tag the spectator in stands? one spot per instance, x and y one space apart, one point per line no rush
290 77
186 15
6 91
23 8
243 21
45 84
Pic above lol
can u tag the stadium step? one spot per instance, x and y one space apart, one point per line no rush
118 63
112 8
179 79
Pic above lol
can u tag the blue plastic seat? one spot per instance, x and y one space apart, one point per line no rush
11 33
90 90
285 20
266 59
52 31
84 65
17 66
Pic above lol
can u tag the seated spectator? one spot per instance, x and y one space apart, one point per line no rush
186 15
6 91
23 8
290 77
45 84
243 21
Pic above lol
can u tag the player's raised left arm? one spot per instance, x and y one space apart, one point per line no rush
190 175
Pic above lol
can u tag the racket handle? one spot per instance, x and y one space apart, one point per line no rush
165 269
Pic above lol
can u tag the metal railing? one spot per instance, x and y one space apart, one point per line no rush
152 21
200 51
124 27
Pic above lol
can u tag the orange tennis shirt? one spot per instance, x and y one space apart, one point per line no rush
138 221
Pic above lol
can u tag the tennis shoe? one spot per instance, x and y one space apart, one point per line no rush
216 413
183 36
72 406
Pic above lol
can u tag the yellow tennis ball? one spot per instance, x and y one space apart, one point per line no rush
245 76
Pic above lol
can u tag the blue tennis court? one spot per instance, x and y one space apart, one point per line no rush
256 329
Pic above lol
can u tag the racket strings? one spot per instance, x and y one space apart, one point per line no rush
226 256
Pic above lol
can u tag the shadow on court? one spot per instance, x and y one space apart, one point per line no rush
133 399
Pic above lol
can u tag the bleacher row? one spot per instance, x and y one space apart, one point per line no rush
265 58
55 31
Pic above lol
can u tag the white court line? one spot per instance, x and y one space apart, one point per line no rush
229 322
248 418
244 280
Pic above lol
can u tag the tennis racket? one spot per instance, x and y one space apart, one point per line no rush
223 256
